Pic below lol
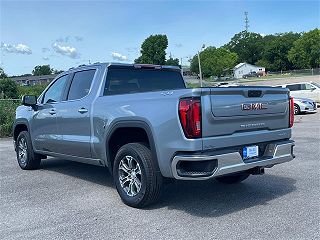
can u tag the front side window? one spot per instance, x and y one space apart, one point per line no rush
81 84
55 92
308 86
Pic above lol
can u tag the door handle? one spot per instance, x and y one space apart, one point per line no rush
82 110
52 111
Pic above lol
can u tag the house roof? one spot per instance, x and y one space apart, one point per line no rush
241 64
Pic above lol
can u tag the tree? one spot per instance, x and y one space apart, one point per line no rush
247 45
8 88
2 74
153 50
275 51
214 61
172 62
305 52
42 70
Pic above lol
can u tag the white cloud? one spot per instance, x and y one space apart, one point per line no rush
118 56
62 49
263 34
19 48
45 58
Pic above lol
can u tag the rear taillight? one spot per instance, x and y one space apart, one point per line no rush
291 106
190 117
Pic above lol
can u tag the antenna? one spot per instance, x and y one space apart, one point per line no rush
246 21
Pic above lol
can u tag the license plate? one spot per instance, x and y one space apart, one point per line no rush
250 152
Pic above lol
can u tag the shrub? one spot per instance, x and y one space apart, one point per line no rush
7 115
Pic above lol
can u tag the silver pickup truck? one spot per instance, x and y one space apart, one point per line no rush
142 123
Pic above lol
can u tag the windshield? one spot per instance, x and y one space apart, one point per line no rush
316 84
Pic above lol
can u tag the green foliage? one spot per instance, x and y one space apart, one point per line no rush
2 74
42 70
8 88
7 115
305 52
153 50
172 61
31 90
247 45
214 61
275 51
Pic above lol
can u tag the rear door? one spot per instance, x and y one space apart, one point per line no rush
231 111
73 116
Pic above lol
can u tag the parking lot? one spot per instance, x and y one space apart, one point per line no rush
67 200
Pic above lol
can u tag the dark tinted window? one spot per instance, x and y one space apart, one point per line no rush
128 80
81 84
294 87
54 93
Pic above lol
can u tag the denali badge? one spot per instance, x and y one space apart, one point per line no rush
253 106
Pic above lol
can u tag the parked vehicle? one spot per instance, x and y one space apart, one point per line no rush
142 123
253 74
309 90
304 105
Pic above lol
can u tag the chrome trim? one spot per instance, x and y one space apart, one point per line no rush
233 162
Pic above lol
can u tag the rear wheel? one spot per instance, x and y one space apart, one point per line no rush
234 178
27 158
136 178
296 109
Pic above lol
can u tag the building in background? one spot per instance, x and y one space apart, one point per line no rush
246 68
34 80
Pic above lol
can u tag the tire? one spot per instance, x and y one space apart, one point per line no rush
27 158
127 176
234 178
296 109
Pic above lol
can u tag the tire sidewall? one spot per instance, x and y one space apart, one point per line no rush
134 200
23 135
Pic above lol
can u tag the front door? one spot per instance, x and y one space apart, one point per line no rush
44 122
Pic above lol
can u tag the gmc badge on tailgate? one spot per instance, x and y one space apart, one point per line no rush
253 106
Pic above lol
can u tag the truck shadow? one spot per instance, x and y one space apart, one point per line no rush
213 199
198 198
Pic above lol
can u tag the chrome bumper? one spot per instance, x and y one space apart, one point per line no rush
275 153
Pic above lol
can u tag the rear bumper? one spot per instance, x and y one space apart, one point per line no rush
232 162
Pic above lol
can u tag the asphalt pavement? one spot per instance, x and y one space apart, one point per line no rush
68 200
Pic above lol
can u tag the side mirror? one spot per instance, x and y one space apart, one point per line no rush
313 88
29 100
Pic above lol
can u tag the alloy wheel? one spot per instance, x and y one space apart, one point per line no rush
130 175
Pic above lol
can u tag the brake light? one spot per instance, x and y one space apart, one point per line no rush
190 117
291 107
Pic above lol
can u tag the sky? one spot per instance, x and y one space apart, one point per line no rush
66 34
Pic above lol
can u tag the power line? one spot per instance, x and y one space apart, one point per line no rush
246 21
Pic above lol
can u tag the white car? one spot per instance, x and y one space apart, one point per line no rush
309 90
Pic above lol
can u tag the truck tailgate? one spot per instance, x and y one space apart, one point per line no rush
238 110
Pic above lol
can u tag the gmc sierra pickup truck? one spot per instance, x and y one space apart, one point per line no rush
142 123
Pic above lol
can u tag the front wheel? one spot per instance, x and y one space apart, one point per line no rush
234 178
137 179
296 109
27 158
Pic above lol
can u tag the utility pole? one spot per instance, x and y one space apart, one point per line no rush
200 72
246 21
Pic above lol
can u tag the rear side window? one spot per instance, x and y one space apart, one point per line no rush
294 87
54 93
80 85
126 80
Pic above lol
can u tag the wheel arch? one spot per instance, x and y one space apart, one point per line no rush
136 126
